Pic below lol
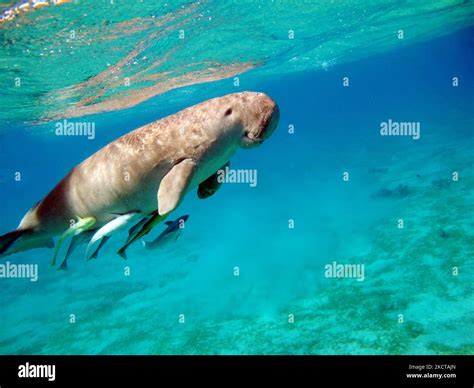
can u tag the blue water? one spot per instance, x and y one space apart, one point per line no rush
408 272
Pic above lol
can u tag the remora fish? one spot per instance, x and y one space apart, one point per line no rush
75 242
172 232
82 225
104 233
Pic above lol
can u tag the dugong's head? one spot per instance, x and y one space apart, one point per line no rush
254 116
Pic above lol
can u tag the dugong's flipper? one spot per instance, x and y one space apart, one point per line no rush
213 183
174 186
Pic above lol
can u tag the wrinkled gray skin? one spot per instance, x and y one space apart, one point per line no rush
152 166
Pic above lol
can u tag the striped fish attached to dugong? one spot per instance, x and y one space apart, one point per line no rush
150 168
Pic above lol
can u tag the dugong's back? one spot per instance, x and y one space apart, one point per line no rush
120 177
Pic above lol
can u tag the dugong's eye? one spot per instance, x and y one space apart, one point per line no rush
228 112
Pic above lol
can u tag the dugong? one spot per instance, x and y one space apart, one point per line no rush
150 168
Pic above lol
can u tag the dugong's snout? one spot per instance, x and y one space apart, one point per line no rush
271 125
262 120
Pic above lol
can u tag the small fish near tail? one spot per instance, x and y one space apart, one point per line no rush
75 242
80 226
172 232
155 219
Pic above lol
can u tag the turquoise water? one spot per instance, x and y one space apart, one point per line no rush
409 302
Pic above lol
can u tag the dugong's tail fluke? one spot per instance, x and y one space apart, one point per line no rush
24 239
7 240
